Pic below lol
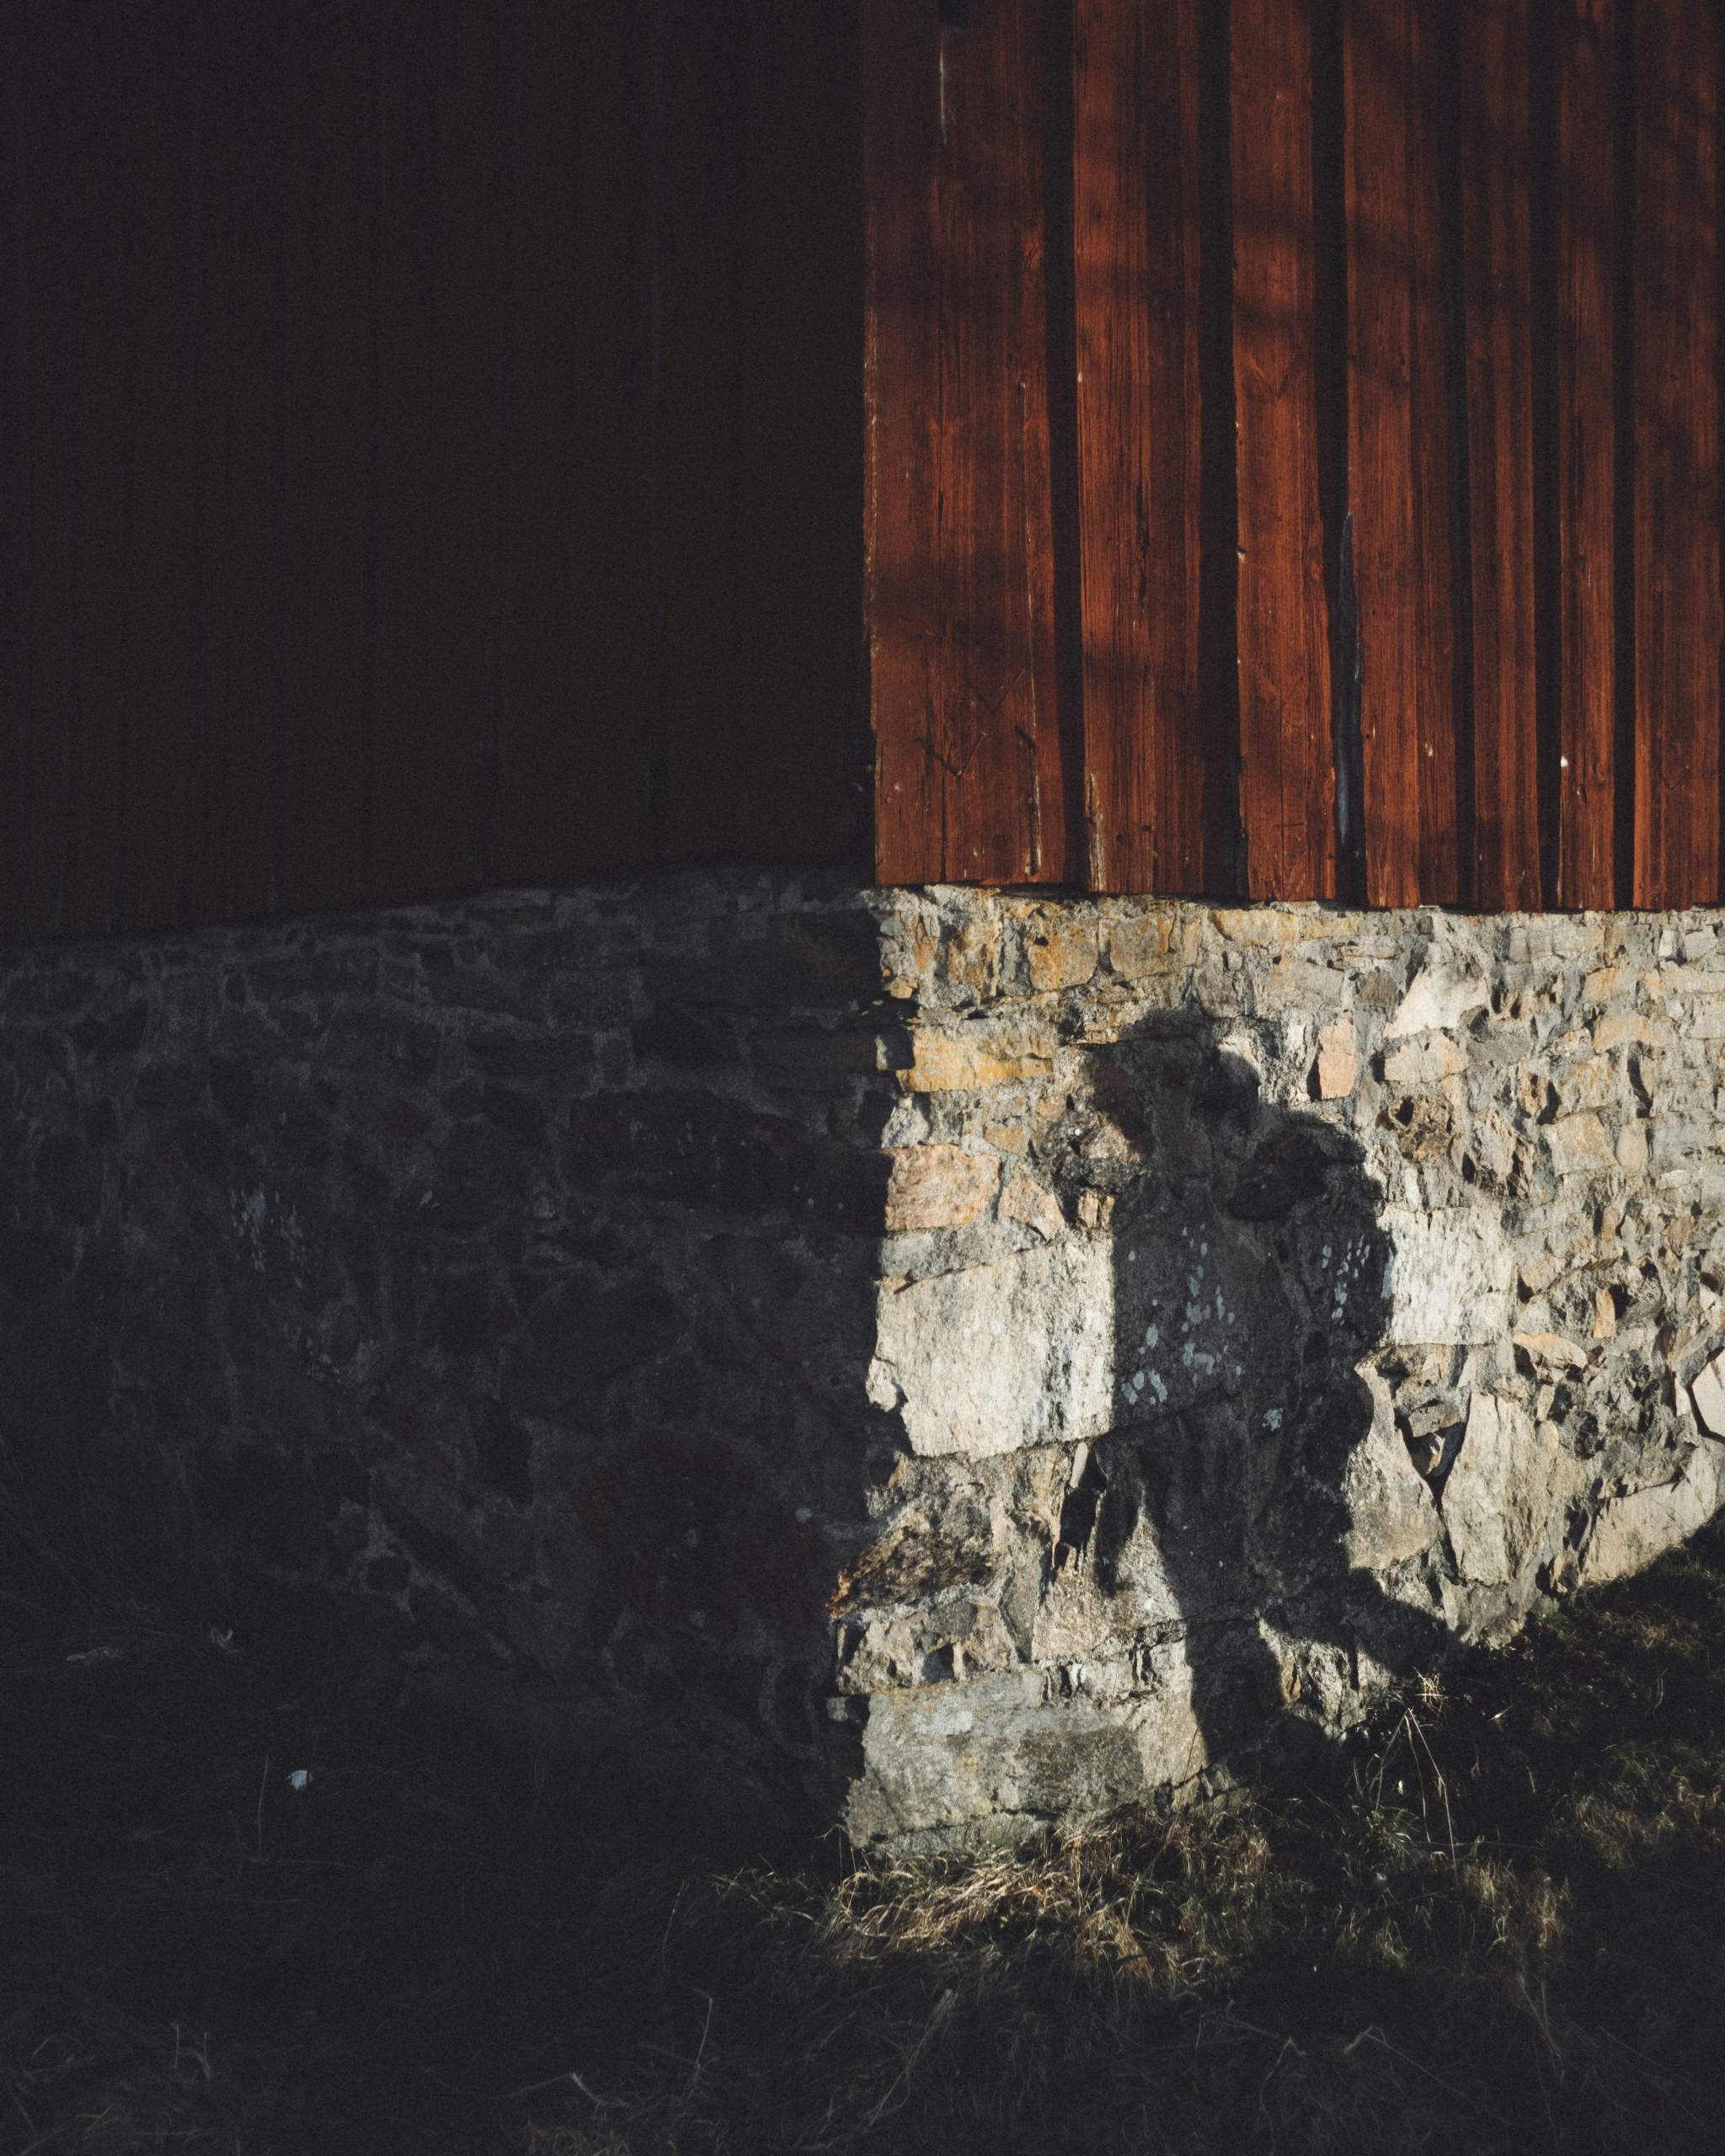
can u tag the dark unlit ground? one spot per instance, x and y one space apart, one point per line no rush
1495 1922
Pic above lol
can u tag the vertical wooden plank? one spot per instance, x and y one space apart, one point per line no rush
507 182
1584 35
1498 302
278 148
326 757
240 270
902 59
404 270
36 296
707 149
16 359
1677 599
795 350
71 240
1135 247
99 120
191 900
1287 766
969 781
160 601
464 294
1398 452
570 783
999 744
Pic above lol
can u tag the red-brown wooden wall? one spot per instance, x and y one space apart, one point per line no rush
1268 448
1293 447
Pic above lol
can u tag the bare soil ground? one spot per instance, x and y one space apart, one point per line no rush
1493 1922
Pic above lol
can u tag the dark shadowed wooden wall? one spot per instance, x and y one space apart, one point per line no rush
1293 447
430 447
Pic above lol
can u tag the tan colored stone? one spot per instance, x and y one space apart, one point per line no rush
1337 1060
1631 1148
1026 1199
1137 949
1608 981
1424 1062
1096 1208
1539 1273
1259 925
1552 1350
969 1061
1296 983
908 957
1059 953
1007 1137
1577 1144
1605 1315
938 1187
973 957
1590 1084
1644 1028
1707 1391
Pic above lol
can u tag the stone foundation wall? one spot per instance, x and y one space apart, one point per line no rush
936 1360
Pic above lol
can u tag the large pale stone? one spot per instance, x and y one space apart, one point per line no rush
1138 949
941 1757
1578 1145
1632 1531
1338 1060
1643 1029
1060 953
974 1059
1551 1351
995 1357
1449 1275
1708 1393
1425 1061
1607 982
1447 989
1498 1497
1391 1515
938 1187
1026 1199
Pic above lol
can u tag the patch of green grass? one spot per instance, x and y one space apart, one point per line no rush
1494 1920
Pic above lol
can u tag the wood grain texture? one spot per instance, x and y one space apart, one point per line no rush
1583 95
570 756
1135 246
901 93
794 347
1398 452
1677 602
242 331
1498 299
959 573
1288 767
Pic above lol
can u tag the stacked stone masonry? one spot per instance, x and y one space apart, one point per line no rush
933 1360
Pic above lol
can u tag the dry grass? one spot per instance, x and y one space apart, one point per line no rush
1496 1921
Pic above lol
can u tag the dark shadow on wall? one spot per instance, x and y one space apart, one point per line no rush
1215 1538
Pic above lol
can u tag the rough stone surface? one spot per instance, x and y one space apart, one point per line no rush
934 1360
